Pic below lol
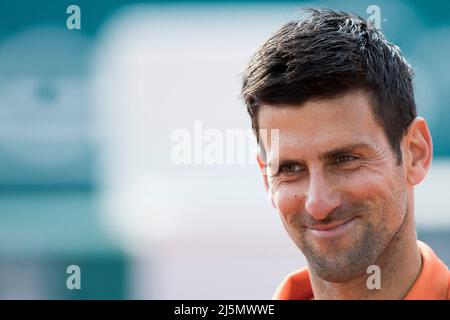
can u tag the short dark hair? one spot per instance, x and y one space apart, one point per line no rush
326 54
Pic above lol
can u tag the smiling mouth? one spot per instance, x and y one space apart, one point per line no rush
332 229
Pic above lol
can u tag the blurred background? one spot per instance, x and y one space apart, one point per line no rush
88 119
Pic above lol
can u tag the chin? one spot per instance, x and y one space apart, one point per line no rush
345 264
335 272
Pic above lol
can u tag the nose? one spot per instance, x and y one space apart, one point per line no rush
322 197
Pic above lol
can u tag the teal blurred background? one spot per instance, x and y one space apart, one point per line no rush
85 172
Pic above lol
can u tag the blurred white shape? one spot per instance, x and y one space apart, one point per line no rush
432 197
156 70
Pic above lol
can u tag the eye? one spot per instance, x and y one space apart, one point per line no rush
344 159
290 168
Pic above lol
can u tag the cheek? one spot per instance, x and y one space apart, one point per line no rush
364 185
384 190
370 183
288 199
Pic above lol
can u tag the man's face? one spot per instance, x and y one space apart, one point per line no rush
340 193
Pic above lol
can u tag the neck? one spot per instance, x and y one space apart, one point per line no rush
400 264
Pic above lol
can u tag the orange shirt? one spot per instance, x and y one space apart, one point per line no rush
433 282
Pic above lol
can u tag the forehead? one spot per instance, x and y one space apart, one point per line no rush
321 125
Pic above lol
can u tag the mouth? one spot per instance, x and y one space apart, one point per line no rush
333 229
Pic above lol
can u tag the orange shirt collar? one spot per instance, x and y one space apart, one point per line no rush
432 283
433 280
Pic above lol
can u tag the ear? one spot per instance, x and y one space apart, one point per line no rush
262 168
418 147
